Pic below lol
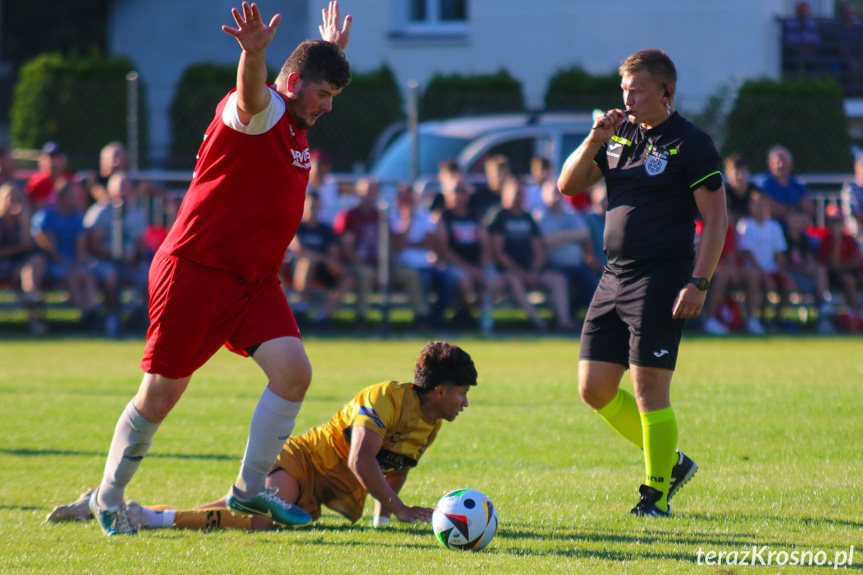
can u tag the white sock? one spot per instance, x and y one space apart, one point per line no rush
272 424
132 438
158 519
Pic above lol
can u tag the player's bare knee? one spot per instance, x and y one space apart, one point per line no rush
292 382
156 409
158 395
595 396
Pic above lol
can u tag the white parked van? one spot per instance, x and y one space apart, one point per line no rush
471 139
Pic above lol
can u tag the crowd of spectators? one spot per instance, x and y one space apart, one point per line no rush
774 251
456 247
815 47
82 234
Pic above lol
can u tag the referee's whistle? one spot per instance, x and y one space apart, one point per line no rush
625 113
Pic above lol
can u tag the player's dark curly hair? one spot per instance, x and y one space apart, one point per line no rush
318 61
441 362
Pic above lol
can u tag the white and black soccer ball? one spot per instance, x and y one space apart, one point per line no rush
465 520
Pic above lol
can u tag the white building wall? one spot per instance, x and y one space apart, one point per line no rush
712 42
163 37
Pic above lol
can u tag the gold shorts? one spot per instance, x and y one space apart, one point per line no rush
323 478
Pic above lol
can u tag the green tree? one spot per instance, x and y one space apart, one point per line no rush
806 116
199 90
364 108
369 104
575 89
80 102
455 95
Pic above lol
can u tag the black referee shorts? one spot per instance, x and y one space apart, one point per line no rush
629 320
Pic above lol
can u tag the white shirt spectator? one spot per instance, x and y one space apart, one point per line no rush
331 202
764 240
533 202
570 254
101 216
412 256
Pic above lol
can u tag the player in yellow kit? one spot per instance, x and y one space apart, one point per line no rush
368 447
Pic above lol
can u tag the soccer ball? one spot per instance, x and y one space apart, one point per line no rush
465 520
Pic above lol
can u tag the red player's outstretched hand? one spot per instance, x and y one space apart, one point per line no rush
251 32
332 30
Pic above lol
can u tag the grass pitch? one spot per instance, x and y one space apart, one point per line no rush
774 424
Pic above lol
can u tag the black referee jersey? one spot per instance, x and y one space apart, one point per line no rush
651 176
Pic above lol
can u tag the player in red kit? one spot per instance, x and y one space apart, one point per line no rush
214 280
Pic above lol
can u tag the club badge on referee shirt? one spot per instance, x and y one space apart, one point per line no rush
656 162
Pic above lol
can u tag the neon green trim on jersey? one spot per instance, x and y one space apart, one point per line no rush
672 151
692 185
620 140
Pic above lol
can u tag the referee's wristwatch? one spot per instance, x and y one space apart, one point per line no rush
702 284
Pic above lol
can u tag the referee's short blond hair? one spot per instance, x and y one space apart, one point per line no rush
656 62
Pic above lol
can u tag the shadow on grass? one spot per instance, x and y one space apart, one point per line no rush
635 538
23 452
569 551
796 520
21 508
566 541
642 545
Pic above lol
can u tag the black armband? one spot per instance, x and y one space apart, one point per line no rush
711 182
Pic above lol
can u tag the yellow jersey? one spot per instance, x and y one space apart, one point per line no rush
390 409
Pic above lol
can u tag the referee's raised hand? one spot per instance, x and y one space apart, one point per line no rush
606 125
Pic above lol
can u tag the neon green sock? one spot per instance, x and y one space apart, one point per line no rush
621 414
660 442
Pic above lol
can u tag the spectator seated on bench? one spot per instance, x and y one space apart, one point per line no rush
19 262
518 251
358 230
317 262
117 210
58 232
841 256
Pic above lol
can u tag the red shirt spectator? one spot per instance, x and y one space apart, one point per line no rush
849 254
359 229
42 186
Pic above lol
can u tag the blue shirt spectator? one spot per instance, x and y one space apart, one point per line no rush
784 190
567 239
792 193
59 233
65 225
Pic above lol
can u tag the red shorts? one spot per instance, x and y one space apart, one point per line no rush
194 310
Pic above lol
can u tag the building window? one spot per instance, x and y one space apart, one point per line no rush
418 11
430 17
453 10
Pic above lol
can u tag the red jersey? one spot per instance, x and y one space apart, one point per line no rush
245 202
364 226
848 251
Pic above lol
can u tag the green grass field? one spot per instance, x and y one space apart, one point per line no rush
775 425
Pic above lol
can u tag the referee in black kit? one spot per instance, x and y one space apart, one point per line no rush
660 171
